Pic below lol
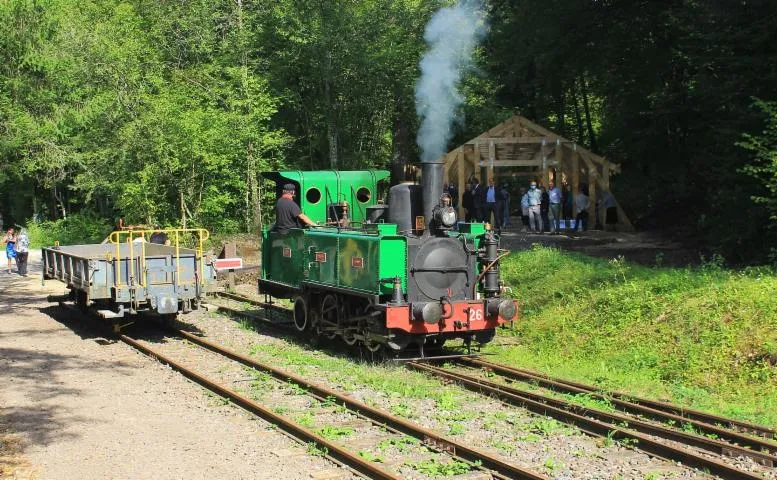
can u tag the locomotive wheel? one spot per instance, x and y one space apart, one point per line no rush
301 314
330 315
436 342
349 336
372 345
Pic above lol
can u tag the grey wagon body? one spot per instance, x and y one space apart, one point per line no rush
131 278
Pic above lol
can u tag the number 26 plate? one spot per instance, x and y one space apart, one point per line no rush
475 313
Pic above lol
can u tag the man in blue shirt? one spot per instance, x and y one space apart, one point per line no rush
493 202
555 208
535 208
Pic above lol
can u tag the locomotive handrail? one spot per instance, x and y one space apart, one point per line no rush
131 235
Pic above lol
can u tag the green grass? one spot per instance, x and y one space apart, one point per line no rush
705 337
397 381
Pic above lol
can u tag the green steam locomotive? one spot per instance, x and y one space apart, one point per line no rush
393 275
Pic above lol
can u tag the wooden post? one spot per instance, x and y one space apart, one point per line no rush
557 177
476 170
491 160
575 180
230 251
605 188
461 180
592 174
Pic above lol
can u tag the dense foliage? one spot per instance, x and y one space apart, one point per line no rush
703 336
167 111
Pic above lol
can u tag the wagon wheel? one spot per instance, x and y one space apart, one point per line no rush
330 315
301 314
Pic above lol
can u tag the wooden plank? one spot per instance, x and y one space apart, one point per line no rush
518 163
520 140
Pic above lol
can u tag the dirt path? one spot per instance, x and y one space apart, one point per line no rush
640 247
85 407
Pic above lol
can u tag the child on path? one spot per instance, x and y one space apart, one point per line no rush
10 242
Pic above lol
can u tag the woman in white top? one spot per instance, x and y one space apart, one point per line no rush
582 202
22 251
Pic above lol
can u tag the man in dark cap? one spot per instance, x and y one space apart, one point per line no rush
287 213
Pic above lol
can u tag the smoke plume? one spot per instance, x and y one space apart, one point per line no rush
451 36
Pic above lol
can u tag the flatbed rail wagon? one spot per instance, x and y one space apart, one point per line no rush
124 275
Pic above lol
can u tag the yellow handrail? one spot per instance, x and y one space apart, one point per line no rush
117 237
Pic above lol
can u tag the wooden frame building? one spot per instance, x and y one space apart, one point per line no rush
519 147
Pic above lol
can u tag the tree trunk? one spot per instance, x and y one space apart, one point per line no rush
589 124
561 125
531 80
578 117
331 116
61 202
183 209
400 148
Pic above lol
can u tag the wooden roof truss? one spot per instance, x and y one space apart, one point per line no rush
520 147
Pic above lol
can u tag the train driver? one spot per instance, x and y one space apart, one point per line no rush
287 213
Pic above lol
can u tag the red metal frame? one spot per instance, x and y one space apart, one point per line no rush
465 313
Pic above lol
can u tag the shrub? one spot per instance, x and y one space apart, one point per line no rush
75 229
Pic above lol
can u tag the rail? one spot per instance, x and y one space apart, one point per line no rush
131 238
611 425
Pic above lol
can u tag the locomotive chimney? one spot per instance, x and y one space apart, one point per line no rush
431 187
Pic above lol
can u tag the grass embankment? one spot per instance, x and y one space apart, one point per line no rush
704 337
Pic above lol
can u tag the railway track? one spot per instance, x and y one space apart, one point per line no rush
661 410
479 459
654 427
628 429
367 468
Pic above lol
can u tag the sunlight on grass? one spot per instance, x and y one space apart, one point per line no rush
704 337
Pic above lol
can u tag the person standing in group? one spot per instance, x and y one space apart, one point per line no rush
505 206
468 203
9 239
581 207
454 193
492 195
525 209
478 200
566 205
610 211
22 252
535 208
544 205
554 208
121 224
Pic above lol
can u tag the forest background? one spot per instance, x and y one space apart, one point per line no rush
167 111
